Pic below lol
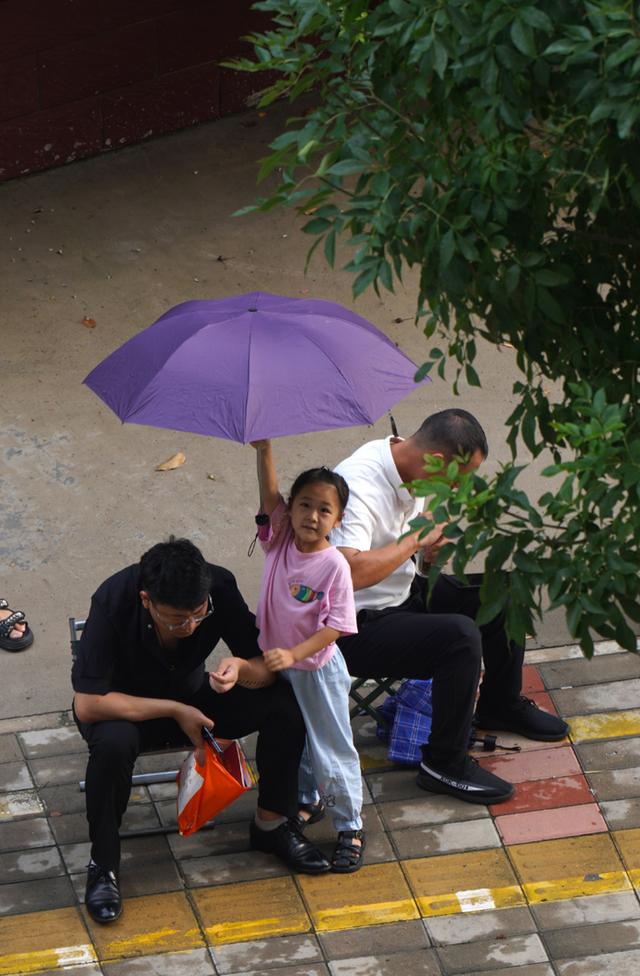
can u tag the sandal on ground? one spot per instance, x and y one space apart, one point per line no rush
8 643
316 812
348 857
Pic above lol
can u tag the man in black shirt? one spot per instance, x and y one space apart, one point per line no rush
140 683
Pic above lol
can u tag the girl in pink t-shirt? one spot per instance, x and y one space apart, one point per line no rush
306 603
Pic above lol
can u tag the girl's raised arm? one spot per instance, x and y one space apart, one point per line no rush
270 496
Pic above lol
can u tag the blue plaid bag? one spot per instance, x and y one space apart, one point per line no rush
410 712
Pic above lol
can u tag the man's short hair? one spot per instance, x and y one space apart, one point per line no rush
175 573
454 433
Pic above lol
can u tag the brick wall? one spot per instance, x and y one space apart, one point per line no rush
79 77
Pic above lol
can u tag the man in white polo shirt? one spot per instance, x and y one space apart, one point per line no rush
399 636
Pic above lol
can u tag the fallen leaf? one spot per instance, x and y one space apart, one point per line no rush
89 323
175 461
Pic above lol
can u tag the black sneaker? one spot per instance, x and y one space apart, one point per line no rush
472 784
289 844
524 718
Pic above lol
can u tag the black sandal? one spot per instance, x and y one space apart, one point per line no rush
8 643
348 857
315 810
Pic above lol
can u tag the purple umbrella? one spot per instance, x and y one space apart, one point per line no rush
254 366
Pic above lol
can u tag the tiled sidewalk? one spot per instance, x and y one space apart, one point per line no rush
546 883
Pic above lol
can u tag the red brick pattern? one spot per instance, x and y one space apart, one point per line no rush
78 77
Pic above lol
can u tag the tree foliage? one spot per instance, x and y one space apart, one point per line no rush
494 146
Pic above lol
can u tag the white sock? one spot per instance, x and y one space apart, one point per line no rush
269 824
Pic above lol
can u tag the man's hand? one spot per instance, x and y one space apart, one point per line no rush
278 659
191 720
225 677
432 543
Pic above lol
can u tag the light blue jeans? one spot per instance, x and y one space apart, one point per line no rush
330 766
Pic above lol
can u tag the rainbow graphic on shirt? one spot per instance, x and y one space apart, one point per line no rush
304 594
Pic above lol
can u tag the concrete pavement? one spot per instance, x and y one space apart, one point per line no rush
546 883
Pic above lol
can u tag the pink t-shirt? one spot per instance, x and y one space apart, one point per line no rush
301 592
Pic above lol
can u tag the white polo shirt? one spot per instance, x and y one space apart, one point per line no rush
378 512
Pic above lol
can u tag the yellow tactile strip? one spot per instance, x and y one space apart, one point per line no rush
379 893
628 843
153 923
43 940
454 883
251 910
604 725
552 870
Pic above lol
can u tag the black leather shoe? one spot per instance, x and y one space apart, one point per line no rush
102 896
289 844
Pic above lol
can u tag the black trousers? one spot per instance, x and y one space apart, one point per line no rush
114 746
439 640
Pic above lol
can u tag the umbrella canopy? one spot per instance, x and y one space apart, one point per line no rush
254 366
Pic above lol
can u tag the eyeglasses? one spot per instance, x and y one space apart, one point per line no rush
191 619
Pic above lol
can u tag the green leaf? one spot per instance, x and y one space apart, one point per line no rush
440 58
330 248
574 616
363 281
316 226
525 562
536 18
447 248
423 371
345 167
489 611
549 305
511 278
621 54
560 47
522 37
472 377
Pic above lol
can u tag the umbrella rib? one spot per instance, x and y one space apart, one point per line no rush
248 382
335 365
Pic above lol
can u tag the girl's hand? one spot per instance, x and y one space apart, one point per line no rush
226 675
278 659
258 444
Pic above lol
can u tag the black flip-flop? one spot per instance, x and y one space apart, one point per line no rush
8 643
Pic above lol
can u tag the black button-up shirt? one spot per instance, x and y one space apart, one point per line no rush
119 649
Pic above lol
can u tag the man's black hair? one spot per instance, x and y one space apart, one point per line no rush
454 433
325 476
175 573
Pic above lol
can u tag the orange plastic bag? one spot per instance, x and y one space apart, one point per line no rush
205 790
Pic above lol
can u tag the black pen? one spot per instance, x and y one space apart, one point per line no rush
208 737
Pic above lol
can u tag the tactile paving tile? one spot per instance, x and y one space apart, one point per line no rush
377 893
552 870
251 910
470 882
